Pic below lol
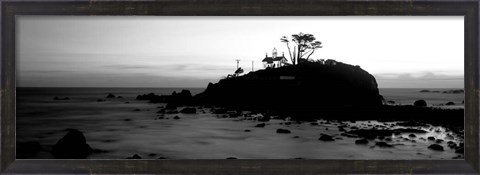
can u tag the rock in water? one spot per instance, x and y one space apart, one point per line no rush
361 141
383 145
436 147
326 138
450 103
420 103
283 131
136 156
439 141
72 146
189 110
261 125
110 95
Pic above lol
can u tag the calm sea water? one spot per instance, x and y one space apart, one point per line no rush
407 96
125 126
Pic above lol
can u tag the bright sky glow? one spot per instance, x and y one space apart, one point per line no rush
155 51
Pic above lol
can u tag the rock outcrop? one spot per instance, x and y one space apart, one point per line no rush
72 146
303 86
177 99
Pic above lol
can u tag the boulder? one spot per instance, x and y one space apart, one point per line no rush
176 117
454 91
436 147
412 135
110 95
326 138
361 141
72 146
431 138
283 131
136 156
65 98
450 103
420 103
260 125
451 145
439 141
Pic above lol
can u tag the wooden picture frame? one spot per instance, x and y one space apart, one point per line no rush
467 8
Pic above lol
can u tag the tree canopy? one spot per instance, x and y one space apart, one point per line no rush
304 45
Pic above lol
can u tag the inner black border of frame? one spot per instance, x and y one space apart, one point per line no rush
467 8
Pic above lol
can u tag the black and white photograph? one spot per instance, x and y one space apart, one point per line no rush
240 87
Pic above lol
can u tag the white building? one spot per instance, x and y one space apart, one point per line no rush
274 61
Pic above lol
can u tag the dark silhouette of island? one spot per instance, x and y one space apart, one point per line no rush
305 86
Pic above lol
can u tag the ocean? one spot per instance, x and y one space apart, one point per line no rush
407 96
122 127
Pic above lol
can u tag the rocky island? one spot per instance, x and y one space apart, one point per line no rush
307 86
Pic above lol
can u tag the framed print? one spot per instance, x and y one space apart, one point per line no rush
285 87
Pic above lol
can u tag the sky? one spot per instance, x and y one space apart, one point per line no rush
168 51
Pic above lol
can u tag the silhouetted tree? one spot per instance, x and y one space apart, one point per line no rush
304 46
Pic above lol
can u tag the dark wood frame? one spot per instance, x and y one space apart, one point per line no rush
467 8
